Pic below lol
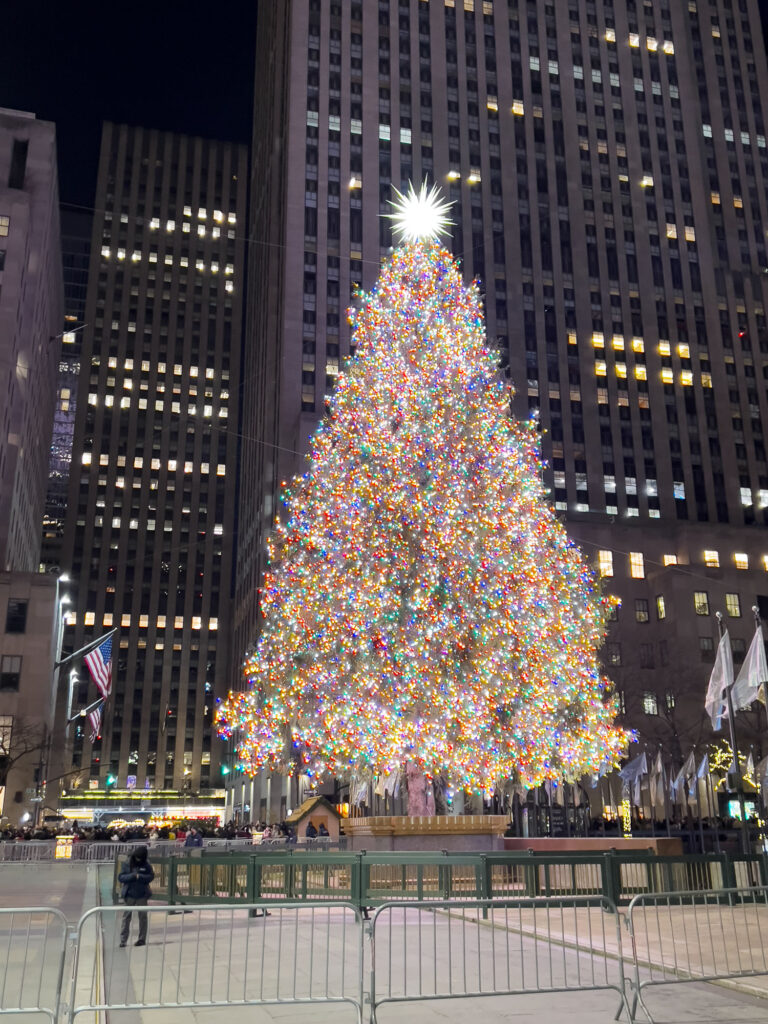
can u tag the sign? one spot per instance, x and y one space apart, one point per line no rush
130 782
63 848
93 784
557 818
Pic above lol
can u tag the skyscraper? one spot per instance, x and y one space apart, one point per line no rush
30 319
76 227
608 168
151 519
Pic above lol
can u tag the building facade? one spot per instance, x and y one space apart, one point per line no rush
31 312
76 227
608 170
152 517
31 628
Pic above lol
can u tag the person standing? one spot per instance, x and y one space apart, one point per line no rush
135 879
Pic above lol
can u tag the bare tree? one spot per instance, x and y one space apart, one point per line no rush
20 738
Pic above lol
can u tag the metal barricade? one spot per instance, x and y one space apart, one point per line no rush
28 851
215 956
697 936
445 949
32 948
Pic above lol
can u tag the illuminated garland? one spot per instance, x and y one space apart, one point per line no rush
422 603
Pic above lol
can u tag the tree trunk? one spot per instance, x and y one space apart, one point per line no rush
421 794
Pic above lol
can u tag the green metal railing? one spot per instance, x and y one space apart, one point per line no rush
371 879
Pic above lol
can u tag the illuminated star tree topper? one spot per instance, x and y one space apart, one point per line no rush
423 607
419 216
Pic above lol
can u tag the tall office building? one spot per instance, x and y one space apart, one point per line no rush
76 227
608 168
30 319
151 522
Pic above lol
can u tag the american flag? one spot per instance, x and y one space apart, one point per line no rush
95 719
99 662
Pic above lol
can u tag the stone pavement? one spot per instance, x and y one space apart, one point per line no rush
192 954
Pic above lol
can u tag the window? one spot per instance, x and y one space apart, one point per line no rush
706 647
5 224
6 728
669 700
641 610
650 704
711 560
733 605
739 648
636 565
605 563
16 617
613 654
741 560
646 656
10 672
661 607
669 560
701 602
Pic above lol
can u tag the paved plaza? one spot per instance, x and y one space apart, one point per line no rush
189 956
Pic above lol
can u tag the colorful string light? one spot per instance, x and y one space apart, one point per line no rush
422 602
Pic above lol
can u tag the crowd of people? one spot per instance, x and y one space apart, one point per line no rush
185 832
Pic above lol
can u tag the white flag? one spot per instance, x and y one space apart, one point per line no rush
754 672
722 677
637 766
750 767
703 767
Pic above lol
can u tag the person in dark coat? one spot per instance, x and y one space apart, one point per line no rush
134 879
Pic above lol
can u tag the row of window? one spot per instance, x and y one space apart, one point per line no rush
89 619
700 604
605 565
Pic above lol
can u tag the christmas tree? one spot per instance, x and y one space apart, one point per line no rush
422 605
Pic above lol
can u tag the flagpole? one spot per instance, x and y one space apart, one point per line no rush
735 769
666 797
85 711
84 650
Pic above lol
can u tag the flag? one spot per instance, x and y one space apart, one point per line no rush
99 662
703 767
762 771
750 768
754 672
721 678
94 718
632 772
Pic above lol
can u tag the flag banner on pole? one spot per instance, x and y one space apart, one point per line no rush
99 662
722 677
749 769
94 718
761 771
703 767
637 766
754 672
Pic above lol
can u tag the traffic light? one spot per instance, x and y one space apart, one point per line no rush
111 780
225 769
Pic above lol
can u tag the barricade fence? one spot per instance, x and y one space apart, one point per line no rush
278 951
42 850
214 956
32 949
709 936
448 949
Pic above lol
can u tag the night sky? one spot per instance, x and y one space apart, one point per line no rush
176 66
179 66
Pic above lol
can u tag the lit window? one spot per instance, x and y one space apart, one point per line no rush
598 340
187 211
618 342
105 251
621 370
5 224
221 469
706 380
613 653
646 181
671 231
701 602
605 563
641 373
170 225
125 619
86 458
733 606
650 704
213 624
636 565
178 622
737 202
664 348
229 287
686 378
707 131
518 107
634 39
600 368
201 231
642 613
684 350
474 177
741 560
712 559
661 607
231 218
186 227
669 46
202 213
746 496
492 103
690 234
652 44
610 35
90 618
715 196
667 376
